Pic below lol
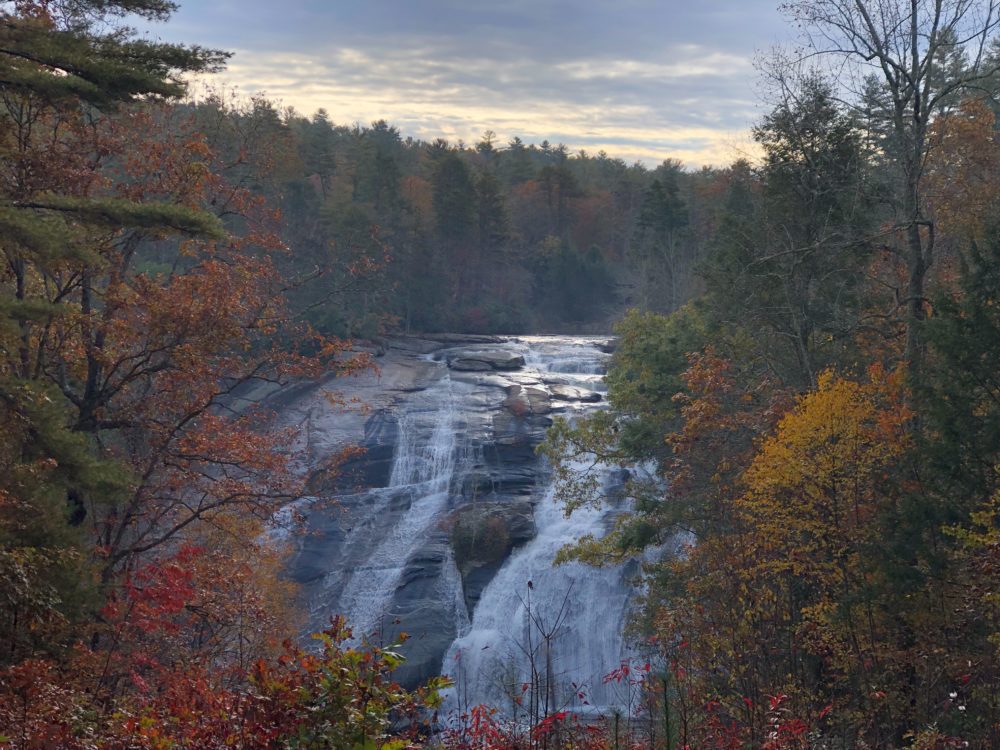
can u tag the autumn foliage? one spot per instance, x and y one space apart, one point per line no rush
819 536
144 316
337 697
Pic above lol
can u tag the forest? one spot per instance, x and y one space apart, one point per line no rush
808 353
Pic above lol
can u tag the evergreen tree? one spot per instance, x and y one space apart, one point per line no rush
516 164
662 218
784 268
454 200
961 389
63 66
492 214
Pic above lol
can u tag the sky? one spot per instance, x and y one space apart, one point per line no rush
644 80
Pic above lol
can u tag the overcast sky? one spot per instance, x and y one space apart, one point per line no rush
641 79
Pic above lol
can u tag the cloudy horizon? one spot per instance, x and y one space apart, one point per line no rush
640 79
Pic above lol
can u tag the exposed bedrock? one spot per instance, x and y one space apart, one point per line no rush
408 533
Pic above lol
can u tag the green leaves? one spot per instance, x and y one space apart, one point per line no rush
118 213
646 374
345 697
960 389
644 380
75 63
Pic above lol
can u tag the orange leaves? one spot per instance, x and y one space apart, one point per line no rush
721 418
157 355
772 600
963 168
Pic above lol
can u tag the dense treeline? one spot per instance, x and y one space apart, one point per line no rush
812 366
485 238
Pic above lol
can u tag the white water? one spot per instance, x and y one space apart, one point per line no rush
421 475
568 623
543 637
564 628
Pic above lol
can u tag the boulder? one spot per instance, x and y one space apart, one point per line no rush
465 364
571 393
523 400
483 536
484 361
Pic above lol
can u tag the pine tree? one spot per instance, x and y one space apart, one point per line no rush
662 219
960 392
64 67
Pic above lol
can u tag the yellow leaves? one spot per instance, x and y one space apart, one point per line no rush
812 492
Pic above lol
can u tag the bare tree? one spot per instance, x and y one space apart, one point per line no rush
903 42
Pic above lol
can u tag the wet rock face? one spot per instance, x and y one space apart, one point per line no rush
482 537
418 612
448 433
371 466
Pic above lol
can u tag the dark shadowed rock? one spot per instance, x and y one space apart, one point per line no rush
484 361
482 537
417 610
464 364
512 430
571 393
370 467
464 338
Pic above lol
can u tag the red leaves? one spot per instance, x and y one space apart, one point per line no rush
785 731
312 697
159 591
548 725
37 706
618 674
479 729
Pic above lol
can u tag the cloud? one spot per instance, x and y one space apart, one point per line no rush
641 79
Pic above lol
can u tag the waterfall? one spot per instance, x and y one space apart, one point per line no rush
421 475
545 636
555 629
444 442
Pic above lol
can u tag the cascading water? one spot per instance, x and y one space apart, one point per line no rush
542 637
543 633
462 433
381 529
422 473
